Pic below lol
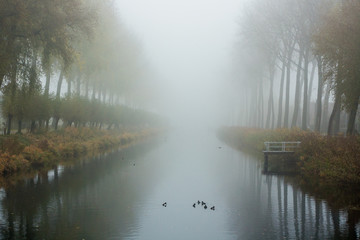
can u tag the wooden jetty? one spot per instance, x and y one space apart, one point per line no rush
278 148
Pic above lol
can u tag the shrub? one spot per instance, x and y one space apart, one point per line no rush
11 163
12 145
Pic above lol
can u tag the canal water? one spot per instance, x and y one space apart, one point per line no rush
120 195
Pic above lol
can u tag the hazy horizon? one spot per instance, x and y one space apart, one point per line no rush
188 45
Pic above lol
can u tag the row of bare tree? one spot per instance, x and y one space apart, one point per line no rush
290 44
82 42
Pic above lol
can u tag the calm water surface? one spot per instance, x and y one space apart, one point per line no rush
120 196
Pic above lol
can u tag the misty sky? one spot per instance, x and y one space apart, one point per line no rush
188 43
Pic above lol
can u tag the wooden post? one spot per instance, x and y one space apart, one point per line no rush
266 162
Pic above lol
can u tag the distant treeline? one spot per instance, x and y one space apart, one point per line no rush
37 111
80 42
288 45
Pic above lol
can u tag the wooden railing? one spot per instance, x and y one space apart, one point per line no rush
281 147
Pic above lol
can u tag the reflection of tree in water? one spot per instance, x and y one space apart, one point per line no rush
90 200
270 207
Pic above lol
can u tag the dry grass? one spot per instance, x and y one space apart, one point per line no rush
21 152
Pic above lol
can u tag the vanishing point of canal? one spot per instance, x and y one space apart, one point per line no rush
120 196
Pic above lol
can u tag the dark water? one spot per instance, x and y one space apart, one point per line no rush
120 196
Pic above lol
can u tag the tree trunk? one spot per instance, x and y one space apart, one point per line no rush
300 98
253 109
310 89
33 75
325 117
104 95
246 106
58 90
87 88
335 116
93 92
352 117
297 89
2 76
273 112
5 66
10 116
19 127
257 107
287 94
99 94
56 123
69 88
288 76
261 107
32 126
12 94
281 95
306 82
319 95
271 98
110 98
78 84
334 122
47 83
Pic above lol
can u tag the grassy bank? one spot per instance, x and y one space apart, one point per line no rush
328 167
322 159
21 152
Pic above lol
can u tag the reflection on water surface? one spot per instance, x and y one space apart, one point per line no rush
120 196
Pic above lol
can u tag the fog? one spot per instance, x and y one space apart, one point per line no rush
209 63
251 63
188 45
81 78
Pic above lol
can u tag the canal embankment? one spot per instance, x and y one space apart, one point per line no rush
25 152
330 166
